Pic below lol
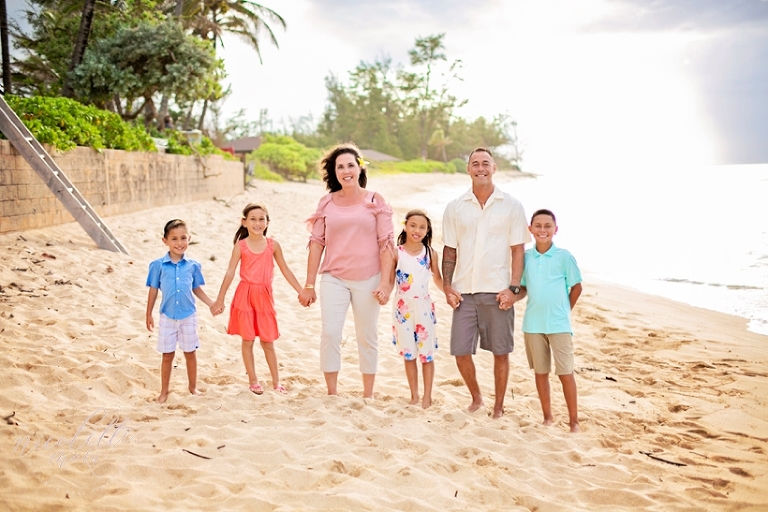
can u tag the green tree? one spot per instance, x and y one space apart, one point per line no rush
86 20
286 157
397 111
440 141
367 110
47 46
432 106
137 63
210 19
466 136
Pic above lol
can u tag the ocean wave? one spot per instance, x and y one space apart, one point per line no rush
717 285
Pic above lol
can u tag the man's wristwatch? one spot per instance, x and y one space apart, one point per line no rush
515 290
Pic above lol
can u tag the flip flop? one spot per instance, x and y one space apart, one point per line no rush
256 388
280 389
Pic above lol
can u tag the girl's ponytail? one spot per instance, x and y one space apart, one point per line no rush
242 232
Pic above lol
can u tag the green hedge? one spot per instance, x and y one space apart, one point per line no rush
66 123
179 145
412 166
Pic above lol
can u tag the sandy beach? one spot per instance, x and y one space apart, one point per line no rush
673 399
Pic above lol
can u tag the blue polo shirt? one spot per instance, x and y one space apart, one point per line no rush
548 278
176 282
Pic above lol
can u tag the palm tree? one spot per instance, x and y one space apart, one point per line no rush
5 50
209 19
439 141
80 44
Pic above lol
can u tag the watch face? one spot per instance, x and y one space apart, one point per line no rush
515 290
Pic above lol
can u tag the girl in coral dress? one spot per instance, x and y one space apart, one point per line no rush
414 330
252 312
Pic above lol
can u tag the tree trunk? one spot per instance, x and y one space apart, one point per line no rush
164 103
6 52
150 112
188 117
163 113
202 115
82 42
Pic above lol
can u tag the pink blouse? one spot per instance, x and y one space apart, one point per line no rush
353 236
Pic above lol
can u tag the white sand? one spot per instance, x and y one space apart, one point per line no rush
683 384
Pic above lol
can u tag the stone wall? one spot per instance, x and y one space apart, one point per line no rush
114 182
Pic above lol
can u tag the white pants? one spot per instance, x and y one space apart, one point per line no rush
335 296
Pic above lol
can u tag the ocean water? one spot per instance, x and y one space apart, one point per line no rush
698 236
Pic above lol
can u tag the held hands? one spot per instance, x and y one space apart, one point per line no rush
382 293
217 308
307 297
452 297
506 299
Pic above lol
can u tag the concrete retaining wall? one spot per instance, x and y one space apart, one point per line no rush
114 182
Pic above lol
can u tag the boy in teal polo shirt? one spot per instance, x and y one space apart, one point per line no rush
552 282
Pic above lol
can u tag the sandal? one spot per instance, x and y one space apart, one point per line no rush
280 389
256 388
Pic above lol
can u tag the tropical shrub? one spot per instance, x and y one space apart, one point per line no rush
178 144
286 157
458 164
66 123
262 172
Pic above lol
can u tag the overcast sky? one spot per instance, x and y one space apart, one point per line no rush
604 81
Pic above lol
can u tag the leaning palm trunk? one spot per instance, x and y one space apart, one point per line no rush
6 51
82 41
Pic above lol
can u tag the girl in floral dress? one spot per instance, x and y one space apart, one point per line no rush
414 329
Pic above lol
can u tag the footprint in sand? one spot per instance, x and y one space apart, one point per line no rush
740 472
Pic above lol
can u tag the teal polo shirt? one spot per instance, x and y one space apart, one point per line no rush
548 279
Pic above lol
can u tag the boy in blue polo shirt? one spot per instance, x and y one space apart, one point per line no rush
178 278
552 282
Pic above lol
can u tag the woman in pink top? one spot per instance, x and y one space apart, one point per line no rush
353 227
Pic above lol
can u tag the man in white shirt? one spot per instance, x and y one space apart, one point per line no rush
484 231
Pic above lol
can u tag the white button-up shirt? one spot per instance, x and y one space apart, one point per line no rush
482 238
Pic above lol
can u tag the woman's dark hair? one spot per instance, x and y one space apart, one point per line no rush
173 224
328 166
427 240
242 231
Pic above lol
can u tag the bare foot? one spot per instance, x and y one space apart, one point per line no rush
575 428
547 422
498 413
426 402
475 405
414 400
332 392
162 398
195 392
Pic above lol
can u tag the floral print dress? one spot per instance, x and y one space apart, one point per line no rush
414 329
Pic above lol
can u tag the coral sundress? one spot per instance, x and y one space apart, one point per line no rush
252 312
